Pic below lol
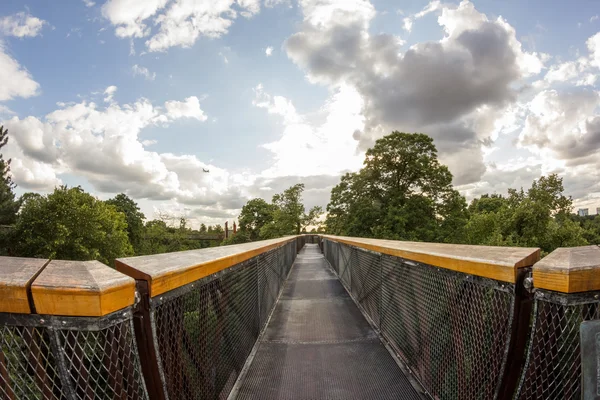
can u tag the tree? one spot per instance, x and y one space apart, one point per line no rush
70 224
539 217
289 214
255 214
402 192
133 216
8 205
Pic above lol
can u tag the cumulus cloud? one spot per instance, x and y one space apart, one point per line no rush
143 71
269 51
563 126
103 145
16 80
190 108
21 25
439 88
89 3
179 22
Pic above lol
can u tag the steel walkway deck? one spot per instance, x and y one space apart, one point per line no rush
318 345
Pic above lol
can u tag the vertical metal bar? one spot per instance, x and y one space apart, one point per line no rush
146 341
521 330
63 369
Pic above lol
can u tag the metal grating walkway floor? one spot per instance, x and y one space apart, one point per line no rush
318 345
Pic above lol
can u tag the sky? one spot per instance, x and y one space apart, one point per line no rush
142 97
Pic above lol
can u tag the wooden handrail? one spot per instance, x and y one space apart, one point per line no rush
569 270
165 272
81 288
500 263
16 276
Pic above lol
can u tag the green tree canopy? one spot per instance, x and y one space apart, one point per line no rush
539 217
255 214
402 192
133 216
72 225
289 214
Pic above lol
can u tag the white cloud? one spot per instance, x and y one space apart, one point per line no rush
190 108
109 93
21 25
428 88
143 71
89 3
306 148
593 44
102 145
594 18
16 80
129 15
407 24
179 23
250 7
269 51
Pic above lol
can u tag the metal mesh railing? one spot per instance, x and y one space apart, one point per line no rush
206 330
49 357
553 367
452 330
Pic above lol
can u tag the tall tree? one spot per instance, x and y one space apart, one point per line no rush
70 224
133 216
402 192
255 214
289 214
8 205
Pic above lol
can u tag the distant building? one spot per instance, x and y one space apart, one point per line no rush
583 212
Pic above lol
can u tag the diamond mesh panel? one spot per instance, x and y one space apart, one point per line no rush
553 370
28 369
205 334
366 282
345 257
451 330
103 364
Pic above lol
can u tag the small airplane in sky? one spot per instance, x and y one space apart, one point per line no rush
205 170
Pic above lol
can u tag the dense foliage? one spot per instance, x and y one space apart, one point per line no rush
403 192
70 224
286 215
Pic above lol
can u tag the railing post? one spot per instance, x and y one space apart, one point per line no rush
566 286
64 326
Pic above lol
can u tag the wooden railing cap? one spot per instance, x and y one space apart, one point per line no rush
168 271
569 270
16 275
495 262
81 288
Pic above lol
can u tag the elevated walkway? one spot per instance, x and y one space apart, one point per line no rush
318 345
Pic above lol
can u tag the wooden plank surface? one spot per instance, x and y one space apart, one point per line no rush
16 275
169 271
81 288
500 263
569 270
